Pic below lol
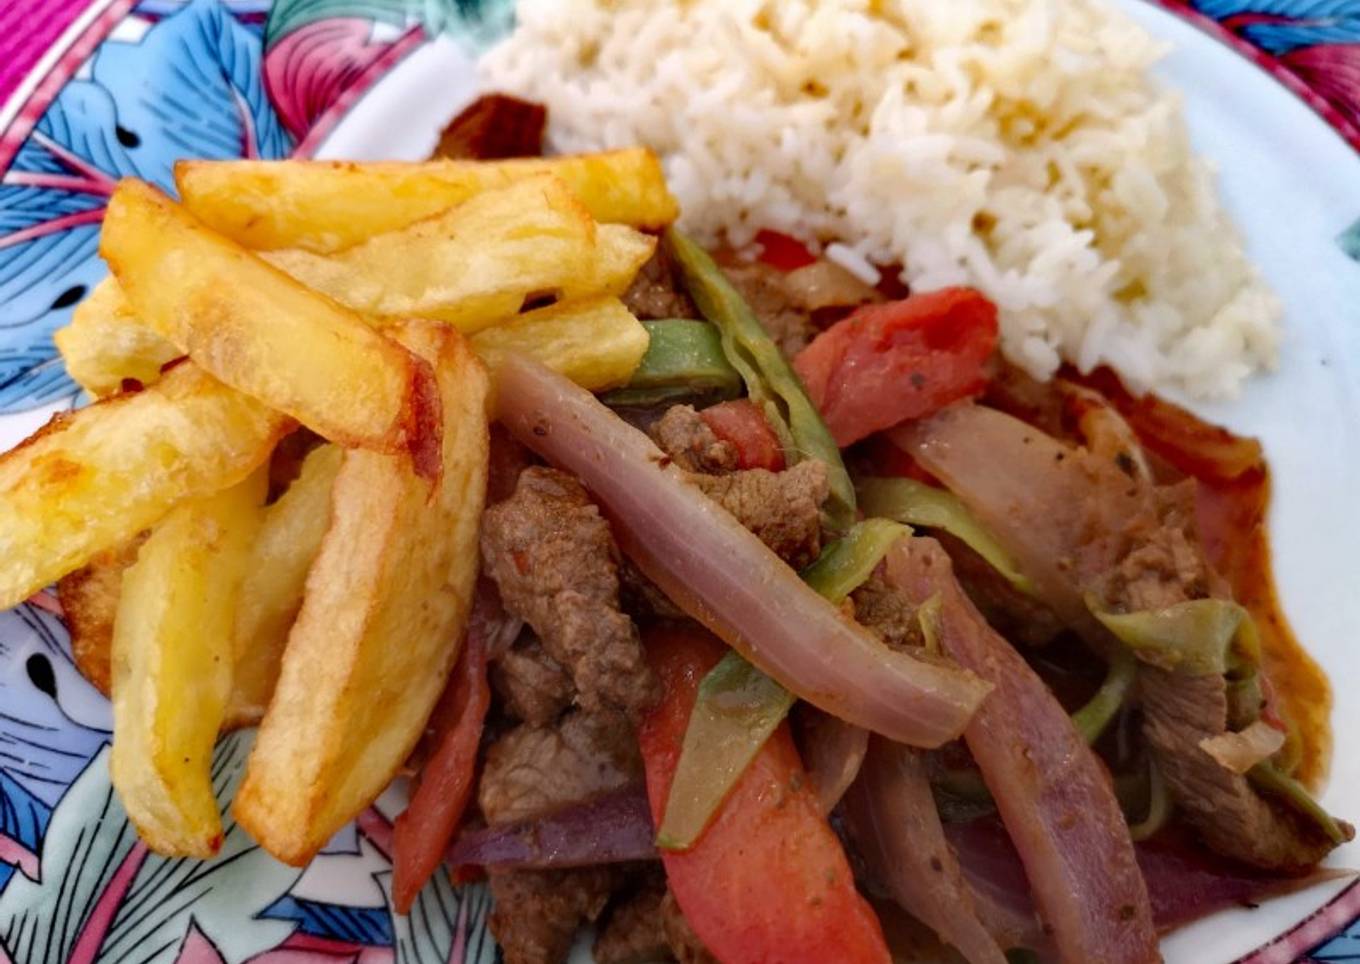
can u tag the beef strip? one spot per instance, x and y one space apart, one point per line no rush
634 932
783 509
762 287
683 435
685 944
556 564
535 769
533 686
656 292
1179 711
1162 562
537 912
886 613
494 126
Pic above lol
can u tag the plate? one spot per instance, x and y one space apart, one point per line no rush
94 90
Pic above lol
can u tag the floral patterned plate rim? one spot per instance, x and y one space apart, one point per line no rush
93 90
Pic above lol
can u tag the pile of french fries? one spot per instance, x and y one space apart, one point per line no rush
369 304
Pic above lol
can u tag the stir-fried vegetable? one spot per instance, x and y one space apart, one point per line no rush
742 424
1268 777
1158 807
844 565
833 752
726 578
684 360
424 829
770 380
768 880
1051 790
916 503
1193 637
614 828
1241 750
888 363
739 707
1092 719
892 818
736 709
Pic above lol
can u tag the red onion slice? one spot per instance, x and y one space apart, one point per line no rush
892 817
724 577
614 828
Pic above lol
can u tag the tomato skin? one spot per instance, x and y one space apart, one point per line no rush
900 360
744 425
767 881
782 252
425 828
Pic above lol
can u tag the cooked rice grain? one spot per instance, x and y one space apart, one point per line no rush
1015 145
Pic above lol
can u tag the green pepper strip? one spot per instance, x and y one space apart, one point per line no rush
1270 778
1092 719
770 381
1194 637
918 504
684 360
738 706
1159 806
845 564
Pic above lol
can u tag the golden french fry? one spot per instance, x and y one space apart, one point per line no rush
598 343
105 345
172 666
91 480
89 602
326 206
621 253
381 620
261 332
470 266
271 593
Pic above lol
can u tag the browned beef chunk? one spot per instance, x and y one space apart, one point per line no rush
685 944
536 769
633 931
1020 618
533 686
1229 814
763 289
494 126
537 912
683 435
555 562
1163 562
885 612
783 509
656 291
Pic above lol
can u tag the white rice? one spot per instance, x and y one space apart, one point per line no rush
1015 145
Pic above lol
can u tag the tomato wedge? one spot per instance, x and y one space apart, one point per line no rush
767 880
781 252
899 360
743 424
424 830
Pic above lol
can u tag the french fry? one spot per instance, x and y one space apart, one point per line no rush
380 625
260 331
172 666
104 345
598 343
326 206
89 602
474 264
271 593
91 480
